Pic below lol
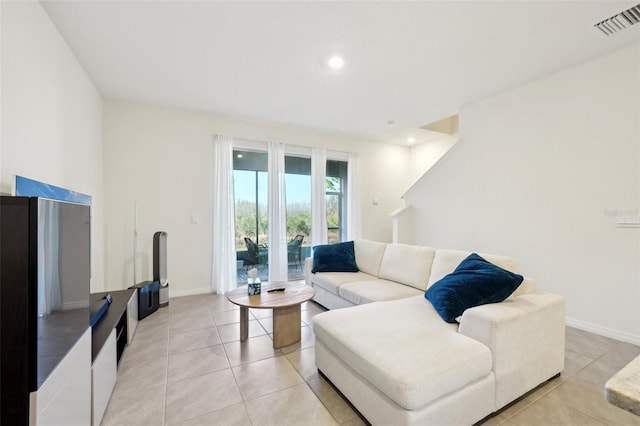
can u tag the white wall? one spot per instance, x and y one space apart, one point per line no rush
161 159
426 155
51 115
536 174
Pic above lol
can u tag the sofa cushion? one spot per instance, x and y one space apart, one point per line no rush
405 264
338 257
527 286
378 290
474 282
331 281
446 261
369 255
404 349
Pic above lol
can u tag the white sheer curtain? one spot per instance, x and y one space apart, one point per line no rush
318 194
49 295
223 264
354 225
277 212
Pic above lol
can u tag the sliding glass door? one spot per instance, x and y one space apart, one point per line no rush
336 201
250 176
251 219
298 201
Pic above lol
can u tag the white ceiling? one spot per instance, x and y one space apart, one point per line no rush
410 62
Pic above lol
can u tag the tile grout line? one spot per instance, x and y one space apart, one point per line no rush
166 383
235 380
322 402
194 349
574 407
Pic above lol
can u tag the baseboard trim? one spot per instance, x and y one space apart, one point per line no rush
189 292
603 331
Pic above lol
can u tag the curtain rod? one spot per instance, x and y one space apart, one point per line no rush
289 144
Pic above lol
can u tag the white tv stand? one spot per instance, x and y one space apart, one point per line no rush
111 334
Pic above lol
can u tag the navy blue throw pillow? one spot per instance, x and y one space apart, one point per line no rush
339 257
474 282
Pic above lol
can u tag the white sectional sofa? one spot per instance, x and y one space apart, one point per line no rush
399 363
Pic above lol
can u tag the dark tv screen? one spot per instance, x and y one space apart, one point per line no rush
64 273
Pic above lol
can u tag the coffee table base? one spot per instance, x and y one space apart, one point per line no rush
284 299
286 325
244 323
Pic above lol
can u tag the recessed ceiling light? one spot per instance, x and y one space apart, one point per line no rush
336 62
411 139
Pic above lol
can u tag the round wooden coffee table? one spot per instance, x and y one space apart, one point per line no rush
285 305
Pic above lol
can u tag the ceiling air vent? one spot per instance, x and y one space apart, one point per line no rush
620 21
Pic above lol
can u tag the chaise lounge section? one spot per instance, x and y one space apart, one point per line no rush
398 362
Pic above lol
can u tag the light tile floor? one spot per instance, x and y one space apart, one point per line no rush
186 366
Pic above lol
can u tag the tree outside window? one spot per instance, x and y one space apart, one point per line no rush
335 200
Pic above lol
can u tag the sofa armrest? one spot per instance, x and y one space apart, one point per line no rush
308 266
526 338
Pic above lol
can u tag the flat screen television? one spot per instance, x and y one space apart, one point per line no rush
64 274
45 277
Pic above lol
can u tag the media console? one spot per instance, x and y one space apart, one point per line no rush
45 266
59 362
110 336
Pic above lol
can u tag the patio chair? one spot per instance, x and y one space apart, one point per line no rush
294 250
255 256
